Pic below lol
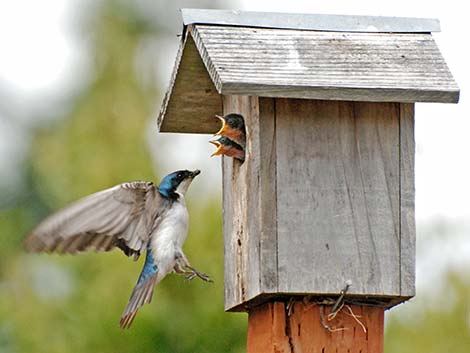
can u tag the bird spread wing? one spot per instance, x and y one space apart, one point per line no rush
122 216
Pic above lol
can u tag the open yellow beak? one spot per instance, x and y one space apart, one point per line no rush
224 125
219 148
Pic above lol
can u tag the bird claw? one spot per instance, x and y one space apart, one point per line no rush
204 277
190 277
201 275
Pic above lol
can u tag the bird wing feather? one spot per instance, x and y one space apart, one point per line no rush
121 216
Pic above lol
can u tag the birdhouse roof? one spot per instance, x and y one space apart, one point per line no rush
355 58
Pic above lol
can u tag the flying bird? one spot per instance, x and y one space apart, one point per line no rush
133 217
229 148
233 127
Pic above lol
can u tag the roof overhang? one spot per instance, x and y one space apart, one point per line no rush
356 58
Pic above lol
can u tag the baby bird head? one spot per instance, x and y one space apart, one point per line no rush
228 147
233 127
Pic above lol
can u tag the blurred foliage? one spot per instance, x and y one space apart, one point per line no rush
71 304
443 326
52 303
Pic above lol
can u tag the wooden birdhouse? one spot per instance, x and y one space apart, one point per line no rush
326 194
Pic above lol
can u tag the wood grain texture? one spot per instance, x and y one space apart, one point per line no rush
250 206
407 201
191 101
371 67
326 195
338 197
267 329
265 131
241 202
325 65
272 330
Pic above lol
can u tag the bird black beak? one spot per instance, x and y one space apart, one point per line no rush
195 173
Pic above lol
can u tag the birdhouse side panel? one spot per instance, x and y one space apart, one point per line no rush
266 145
241 213
338 197
250 222
407 201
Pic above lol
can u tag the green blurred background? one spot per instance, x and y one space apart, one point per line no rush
102 132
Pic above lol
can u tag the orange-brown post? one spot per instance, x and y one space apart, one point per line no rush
305 328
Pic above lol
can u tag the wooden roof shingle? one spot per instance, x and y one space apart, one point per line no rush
356 65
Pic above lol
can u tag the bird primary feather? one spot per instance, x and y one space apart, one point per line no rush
101 221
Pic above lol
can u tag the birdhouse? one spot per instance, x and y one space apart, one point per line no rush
326 193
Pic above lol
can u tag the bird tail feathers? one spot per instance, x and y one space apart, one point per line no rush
141 294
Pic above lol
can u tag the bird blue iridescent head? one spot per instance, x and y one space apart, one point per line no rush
177 182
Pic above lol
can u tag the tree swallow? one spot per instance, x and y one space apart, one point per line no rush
132 216
233 127
229 148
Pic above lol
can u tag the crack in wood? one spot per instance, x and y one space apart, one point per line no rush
288 327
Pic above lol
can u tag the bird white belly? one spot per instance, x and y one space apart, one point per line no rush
169 237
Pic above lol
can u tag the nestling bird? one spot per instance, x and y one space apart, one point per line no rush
134 217
229 148
233 127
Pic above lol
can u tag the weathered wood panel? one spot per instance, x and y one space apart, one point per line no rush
241 202
407 200
338 193
266 144
234 207
393 67
191 101
344 93
266 62
318 201
250 207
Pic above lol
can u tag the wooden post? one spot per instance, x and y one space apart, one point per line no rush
325 196
273 328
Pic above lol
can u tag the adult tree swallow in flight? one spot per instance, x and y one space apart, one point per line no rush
228 147
134 217
233 127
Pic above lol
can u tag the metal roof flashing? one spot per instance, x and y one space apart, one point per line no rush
312 22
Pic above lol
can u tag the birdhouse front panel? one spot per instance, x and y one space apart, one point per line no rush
338 200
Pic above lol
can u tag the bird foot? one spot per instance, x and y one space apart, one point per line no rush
193 274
